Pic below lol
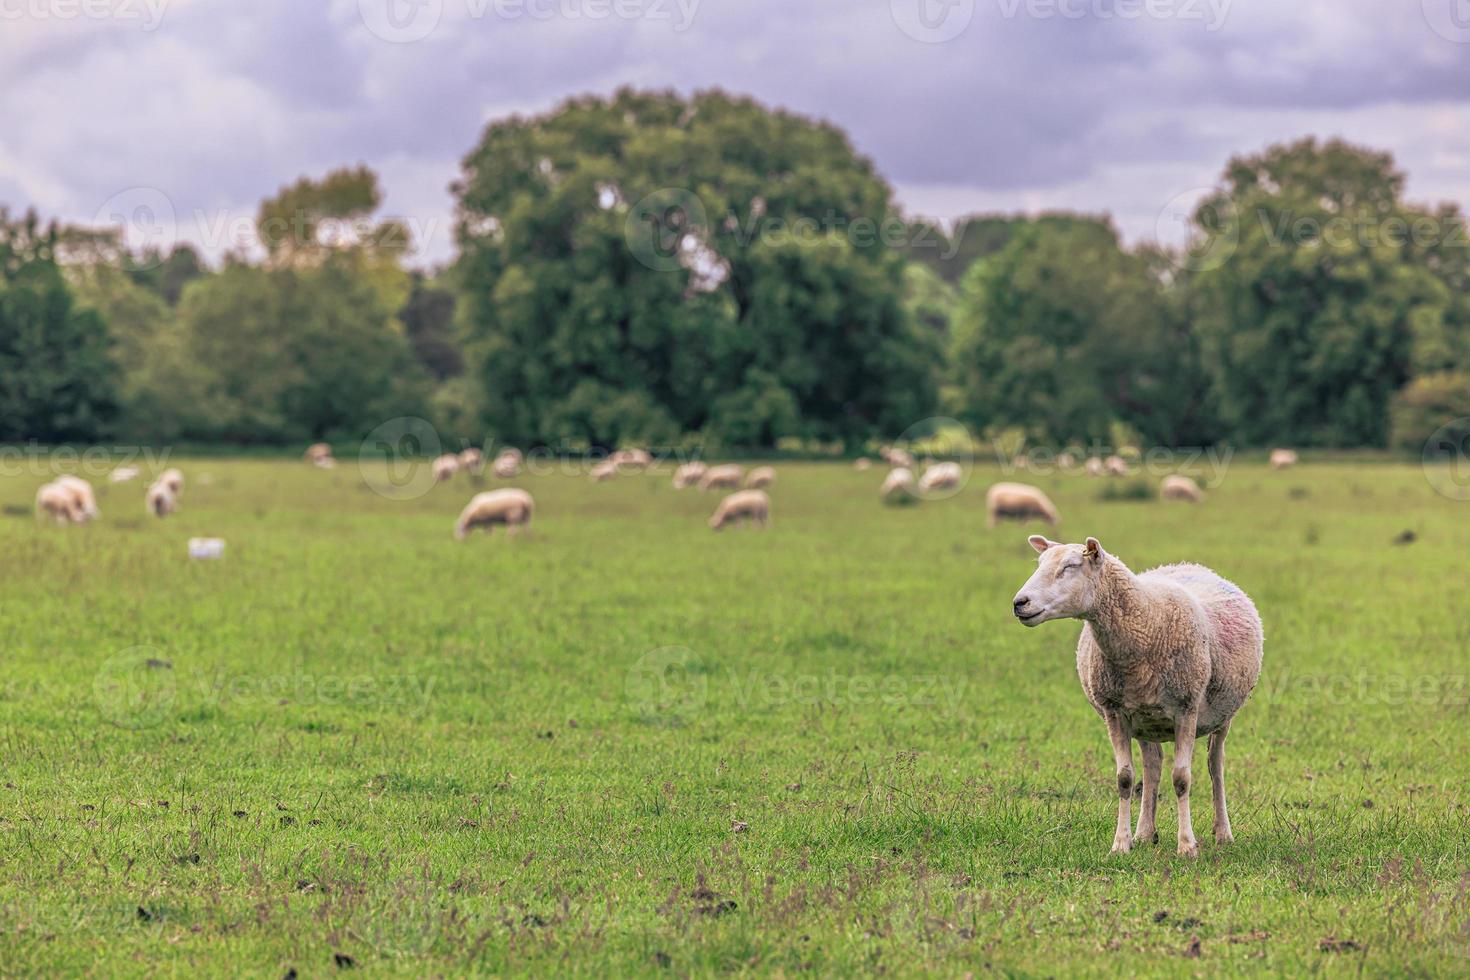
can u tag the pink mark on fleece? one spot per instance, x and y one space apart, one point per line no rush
1231 613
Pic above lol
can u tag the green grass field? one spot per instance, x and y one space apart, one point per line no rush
627 745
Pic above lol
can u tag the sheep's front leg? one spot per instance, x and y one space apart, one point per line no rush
1153 768
1184 732
1122 740
1217 785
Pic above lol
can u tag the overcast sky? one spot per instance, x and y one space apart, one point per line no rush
194 110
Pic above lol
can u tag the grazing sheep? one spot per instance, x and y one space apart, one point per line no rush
510 507
636 460
160 500
1020 502
897 458
445 467
604 471
1179 487
1116 466
726 477
1282 459
123 474
942 476
1164 656
1094 466
172 479
1066 461
507 465
760 477
471 460
60 504
746 506
688 474
317 452
862 464
899 487
325 463
81 492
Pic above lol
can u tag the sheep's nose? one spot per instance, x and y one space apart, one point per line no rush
1021 602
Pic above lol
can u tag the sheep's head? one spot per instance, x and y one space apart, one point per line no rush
1065 583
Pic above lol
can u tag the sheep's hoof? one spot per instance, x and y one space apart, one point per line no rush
1224 837
1151 837
1188 849
1121 845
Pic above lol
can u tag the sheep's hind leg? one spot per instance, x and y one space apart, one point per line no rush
1122 741
1153 767
1217 785
1184 732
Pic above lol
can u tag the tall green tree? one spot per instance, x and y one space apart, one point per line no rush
647 264
57 376
1312 301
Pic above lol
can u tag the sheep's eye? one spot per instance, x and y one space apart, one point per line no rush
1068 568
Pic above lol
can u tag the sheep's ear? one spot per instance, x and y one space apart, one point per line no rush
1092 549
1040 543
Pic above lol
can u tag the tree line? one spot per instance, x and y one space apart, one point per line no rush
665 270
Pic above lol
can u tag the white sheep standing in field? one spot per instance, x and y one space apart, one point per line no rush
1116 466
760 478
1095 466
604 471
471 460
507 464
1180 487
636 460
899 486
317 453
445 467
160 500
745 506
897 458
725 477
173 479
81 491
1283 459
1019 502
689 474
941 476
1164 656
1066 461
862 464
60 504
510 507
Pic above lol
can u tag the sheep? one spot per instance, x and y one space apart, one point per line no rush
747 506
317 452
445 467
81 492
726 477
604 471
509 506
1164 656
1094 466
862 464
897 458
760 478
172 479
1116 466
636 460
471 460
1019 501
507 465
941 476
1282 459
160 500
688 475
325 463
123 474
899 487
1179 487
60 504
1066 461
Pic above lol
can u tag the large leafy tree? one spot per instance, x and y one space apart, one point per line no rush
57 376
1313 299
643 265
1063 332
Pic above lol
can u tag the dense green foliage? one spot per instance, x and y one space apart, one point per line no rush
439 758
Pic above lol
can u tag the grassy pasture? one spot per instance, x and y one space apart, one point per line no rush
627 745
